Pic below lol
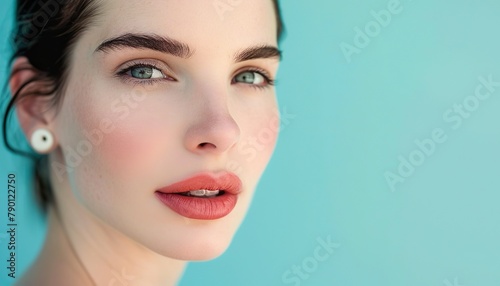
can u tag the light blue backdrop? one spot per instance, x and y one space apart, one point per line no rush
386 171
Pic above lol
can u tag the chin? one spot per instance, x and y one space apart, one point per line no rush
200 248
207 251
188 239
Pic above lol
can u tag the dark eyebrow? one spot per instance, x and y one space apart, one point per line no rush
258 52
147 41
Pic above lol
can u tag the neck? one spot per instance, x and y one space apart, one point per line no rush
80 247
55 265
74 257
111 258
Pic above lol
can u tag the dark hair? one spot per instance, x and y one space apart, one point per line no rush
45 33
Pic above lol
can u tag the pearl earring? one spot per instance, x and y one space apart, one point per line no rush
42 140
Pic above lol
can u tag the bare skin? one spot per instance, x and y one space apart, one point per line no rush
58 264
211 110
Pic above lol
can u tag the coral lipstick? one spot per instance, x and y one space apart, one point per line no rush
205 196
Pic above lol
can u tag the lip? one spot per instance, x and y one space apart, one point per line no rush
198 207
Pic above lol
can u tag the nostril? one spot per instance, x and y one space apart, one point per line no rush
216 134
202 145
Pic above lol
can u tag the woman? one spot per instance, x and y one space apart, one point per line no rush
154 121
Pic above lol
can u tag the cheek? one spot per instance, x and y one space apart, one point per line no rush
133 148
266 134
258 142
252 154
109 140
127 134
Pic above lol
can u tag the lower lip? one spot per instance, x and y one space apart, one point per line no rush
199 208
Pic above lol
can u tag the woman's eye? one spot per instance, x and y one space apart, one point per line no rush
145 72
251 77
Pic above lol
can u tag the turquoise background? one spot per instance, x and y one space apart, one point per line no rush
353 120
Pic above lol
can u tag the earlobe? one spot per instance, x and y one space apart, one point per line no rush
32 105
42 141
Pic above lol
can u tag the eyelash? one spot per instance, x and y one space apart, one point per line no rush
122 74
267 78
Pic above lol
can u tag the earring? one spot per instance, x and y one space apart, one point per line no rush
42 140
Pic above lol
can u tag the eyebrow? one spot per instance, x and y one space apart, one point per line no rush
147 41
258 52
176 48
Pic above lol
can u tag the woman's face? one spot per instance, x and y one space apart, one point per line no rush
141 112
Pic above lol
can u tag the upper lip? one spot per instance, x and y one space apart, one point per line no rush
225 181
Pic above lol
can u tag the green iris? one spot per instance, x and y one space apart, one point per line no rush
247 77
142 72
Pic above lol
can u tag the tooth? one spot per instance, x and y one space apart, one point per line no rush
202 193
197 193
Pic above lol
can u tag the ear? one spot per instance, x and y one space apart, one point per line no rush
33 111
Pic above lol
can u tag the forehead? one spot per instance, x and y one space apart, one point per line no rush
196 22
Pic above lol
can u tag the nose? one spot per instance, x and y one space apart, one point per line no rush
213 130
